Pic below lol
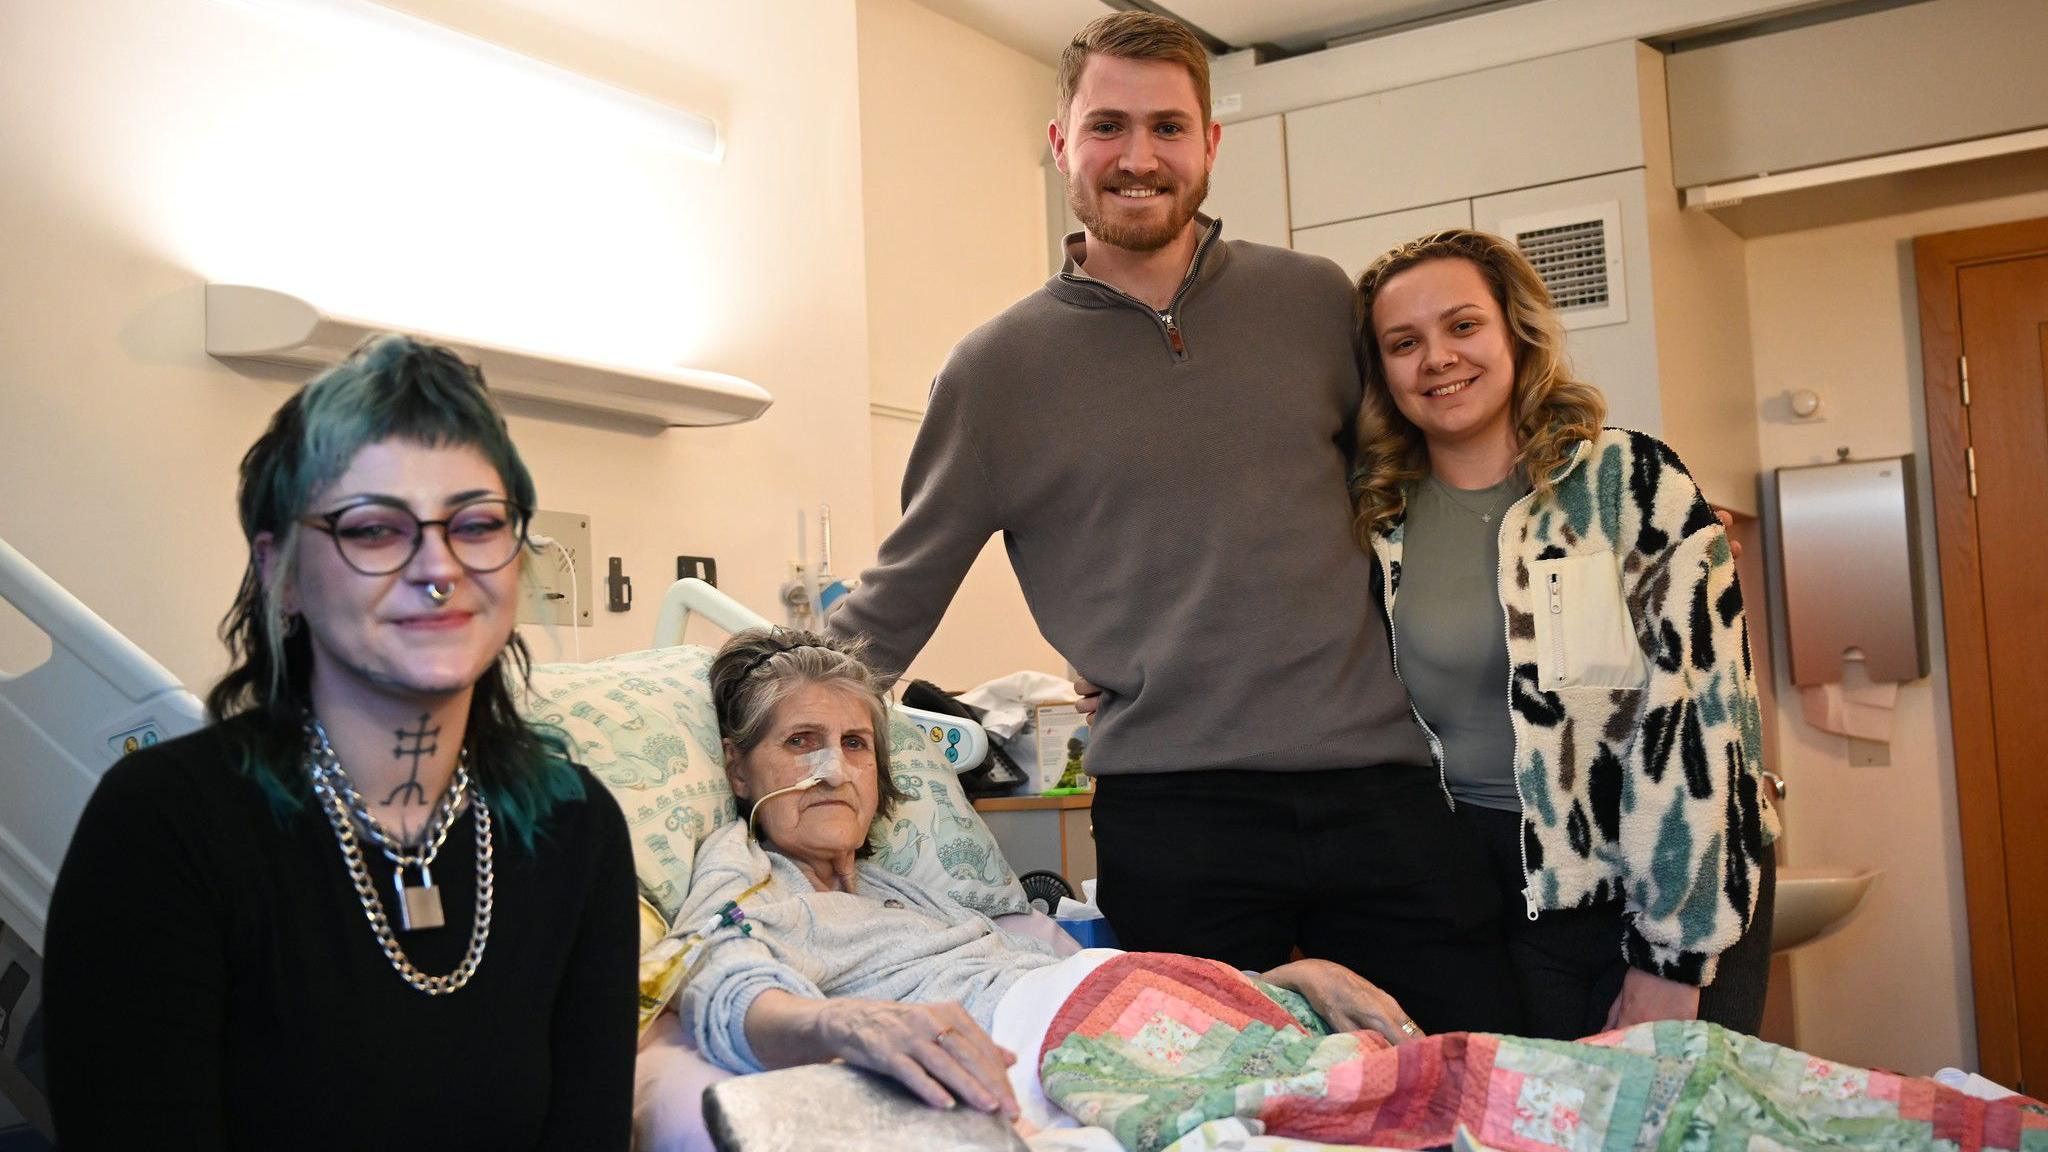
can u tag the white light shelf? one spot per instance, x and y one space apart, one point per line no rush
1729 193
244 322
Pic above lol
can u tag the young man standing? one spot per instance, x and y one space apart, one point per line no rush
1161 435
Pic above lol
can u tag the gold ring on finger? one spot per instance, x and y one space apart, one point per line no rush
1408 1028
942 1034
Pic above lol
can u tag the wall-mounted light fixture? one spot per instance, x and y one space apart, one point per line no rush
692 131
263 324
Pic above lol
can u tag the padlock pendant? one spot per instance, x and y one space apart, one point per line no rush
418 908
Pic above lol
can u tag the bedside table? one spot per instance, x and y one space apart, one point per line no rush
1050 833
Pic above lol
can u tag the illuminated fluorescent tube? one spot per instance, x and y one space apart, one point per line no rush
261 324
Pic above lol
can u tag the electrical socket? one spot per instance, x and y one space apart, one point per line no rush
546 595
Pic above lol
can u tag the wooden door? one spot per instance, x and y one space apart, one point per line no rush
1984 330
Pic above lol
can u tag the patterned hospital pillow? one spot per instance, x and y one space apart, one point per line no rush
644 725
935 835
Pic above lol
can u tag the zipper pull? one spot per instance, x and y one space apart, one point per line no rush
1180 348
1557 625
1529 896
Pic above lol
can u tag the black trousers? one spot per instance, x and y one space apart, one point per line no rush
1568 963
1365 867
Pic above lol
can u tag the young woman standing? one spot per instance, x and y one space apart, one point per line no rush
1568 624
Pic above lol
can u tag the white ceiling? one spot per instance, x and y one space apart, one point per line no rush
1041 28
1296 25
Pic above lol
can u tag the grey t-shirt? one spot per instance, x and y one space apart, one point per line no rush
1452 637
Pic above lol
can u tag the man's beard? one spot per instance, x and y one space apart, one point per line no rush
1135 235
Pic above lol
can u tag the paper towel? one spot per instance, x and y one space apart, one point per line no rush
1857 706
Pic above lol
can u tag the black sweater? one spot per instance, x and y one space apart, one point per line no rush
211 981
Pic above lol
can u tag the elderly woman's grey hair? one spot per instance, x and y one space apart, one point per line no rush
759 668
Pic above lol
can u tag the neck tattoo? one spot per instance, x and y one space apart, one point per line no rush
425 742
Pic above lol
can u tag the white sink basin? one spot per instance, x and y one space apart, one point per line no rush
1815 901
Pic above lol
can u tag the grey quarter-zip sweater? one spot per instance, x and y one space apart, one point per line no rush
1170 487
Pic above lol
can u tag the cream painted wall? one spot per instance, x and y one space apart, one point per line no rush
1703 380
1835 310
952 135
153 145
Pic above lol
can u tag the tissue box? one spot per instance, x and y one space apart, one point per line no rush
1092 933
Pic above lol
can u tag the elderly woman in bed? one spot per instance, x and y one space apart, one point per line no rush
831 957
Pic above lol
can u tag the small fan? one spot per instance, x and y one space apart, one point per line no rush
1044 890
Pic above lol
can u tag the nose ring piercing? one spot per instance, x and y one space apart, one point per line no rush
439 593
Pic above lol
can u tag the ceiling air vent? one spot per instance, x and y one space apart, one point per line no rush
1577 251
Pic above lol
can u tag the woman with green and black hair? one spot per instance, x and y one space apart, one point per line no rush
370 903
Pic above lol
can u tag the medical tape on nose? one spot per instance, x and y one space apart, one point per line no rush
826 766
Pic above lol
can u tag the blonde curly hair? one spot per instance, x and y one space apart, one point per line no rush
1553 411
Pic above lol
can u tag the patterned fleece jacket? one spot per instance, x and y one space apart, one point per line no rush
1637 732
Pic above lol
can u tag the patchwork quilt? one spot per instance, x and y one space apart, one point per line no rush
1152 1046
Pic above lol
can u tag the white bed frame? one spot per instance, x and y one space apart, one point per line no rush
62 724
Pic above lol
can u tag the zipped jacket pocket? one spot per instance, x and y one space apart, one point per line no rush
1585 637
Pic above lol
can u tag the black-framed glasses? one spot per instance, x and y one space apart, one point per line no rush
377 537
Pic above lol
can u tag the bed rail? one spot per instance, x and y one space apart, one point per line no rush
62 724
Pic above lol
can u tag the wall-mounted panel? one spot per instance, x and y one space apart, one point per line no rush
1248 187
1356 243
1890 81
1536 122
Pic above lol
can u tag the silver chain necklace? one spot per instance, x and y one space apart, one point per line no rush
419 908
1457 497
345 808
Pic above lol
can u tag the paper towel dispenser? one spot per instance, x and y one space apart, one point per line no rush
1849 545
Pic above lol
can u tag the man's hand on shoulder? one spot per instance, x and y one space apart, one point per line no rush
1727 520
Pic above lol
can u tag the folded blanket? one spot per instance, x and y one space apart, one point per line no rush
1150 1046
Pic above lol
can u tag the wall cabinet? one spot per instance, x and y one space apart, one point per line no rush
1534 122
1248 186
1353 244
1908 77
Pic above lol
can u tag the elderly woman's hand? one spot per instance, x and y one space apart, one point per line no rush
1347 1001
935 1050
